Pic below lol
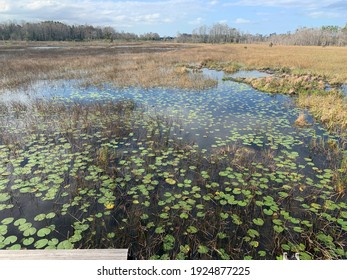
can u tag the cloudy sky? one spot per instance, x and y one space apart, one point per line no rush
173 16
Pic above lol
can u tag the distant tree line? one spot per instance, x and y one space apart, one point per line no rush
324 36
57 31
222 33
217 33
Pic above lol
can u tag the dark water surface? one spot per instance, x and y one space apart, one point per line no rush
254 131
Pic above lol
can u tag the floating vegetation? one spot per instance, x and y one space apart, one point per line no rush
219 173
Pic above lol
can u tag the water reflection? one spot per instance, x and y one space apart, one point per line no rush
344 89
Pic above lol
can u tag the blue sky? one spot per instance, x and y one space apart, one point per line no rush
173 16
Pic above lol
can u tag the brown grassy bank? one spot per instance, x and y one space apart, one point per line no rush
153 64
329 62
127 64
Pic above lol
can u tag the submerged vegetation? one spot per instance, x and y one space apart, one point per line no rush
174 165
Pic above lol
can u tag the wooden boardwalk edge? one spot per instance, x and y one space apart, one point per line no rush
76 254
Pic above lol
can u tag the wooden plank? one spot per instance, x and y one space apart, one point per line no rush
77 254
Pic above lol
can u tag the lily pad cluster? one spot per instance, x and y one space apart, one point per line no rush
220 173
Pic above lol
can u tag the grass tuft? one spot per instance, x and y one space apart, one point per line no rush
301 121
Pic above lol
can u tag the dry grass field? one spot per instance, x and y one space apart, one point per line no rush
153 64
329 62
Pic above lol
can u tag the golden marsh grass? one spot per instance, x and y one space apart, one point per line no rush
143 65
164 64
153 64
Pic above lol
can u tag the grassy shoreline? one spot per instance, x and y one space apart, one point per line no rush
108 60
165 65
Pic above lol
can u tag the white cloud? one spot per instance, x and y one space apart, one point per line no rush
339 5
322 14
103 12
310 8
242 21
213 3
4 7
283 3
150 18
223 21
196 21
37 5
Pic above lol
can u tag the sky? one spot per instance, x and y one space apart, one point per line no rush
168 18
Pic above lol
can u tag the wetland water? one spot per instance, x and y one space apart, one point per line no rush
216 173
344 89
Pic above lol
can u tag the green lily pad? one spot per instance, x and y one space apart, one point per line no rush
258 221
43 232
10 240
7 221
65 245
28 241
41 243
202 249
